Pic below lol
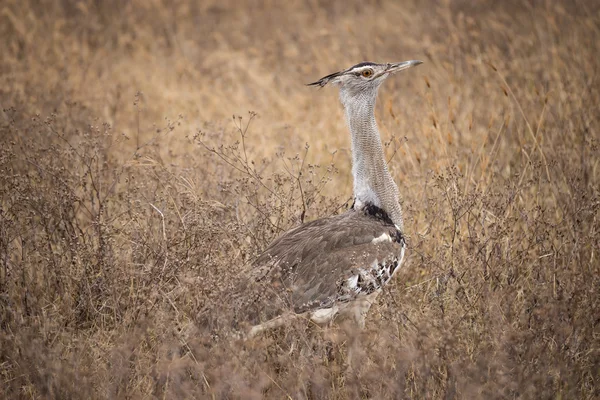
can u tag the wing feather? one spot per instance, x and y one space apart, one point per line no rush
322 262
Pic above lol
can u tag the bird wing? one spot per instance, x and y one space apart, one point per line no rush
329 260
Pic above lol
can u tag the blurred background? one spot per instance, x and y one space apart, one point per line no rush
151 149
210 60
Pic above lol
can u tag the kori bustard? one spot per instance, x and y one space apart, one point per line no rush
337 266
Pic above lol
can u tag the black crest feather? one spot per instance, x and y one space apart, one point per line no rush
325 80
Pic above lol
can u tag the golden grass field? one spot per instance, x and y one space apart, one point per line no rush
137 184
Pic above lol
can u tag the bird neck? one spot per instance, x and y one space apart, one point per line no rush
373 183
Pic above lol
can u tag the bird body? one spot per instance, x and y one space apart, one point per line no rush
337 265
320 268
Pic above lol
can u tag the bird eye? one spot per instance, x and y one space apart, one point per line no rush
367 73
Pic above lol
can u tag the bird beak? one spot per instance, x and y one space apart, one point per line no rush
393 68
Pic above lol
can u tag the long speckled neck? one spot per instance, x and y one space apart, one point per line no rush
373 182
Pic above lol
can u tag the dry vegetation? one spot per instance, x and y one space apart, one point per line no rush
130 201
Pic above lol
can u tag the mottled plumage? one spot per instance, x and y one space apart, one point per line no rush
323 263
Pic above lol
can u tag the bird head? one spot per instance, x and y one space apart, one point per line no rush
363 77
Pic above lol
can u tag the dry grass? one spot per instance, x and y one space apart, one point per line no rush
130 201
